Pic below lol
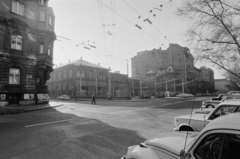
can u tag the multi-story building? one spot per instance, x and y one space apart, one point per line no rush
170 70
83 78
26 50
222 85
172 65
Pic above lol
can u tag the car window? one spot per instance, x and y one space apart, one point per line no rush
231 147
222 110
210 147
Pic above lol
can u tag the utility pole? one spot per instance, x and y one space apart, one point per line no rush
109 85
182 85
128 82
96 84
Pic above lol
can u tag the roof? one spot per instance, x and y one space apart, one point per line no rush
231 102
230 121
81 62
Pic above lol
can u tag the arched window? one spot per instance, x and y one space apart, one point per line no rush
14 76
16 41
70 73
83 75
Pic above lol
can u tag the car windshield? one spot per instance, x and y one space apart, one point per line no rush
223 110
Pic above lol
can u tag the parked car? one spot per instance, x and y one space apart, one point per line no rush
213 103
64 97
199 121
219 139
234 93
219 97
203 111
184 95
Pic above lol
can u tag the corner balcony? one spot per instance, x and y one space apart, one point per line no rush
44 58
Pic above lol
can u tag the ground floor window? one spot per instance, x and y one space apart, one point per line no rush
28 97
2 97
42 97
14 76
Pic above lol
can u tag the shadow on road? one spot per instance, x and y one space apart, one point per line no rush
82 138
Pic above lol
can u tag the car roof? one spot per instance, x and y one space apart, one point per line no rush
231 102
230 121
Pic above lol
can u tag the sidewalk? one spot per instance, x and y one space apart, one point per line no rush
27 108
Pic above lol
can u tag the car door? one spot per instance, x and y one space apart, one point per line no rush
223 144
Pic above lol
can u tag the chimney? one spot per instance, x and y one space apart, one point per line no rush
60 63
69 60
81 57
98 64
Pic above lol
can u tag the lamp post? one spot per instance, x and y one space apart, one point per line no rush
80 82
96 82
140 83
109 85
127 81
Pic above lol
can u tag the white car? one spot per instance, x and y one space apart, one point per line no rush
200 120
220 139
184 95
64 97
214 101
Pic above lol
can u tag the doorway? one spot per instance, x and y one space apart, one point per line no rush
13 98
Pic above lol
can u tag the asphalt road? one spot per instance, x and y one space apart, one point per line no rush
85 131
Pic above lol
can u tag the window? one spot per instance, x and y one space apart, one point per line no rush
70 73
90 74
59 75
41 48
50 21
49 50
210 146
42 2
42 16
14 76
16 41
64 74
83 74
17 8
2 97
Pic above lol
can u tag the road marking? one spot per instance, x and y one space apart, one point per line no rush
48 123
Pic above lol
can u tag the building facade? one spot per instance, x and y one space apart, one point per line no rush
222 85
26 50
81 78
170 70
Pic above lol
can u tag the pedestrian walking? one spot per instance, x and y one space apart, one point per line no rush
76 98
93 99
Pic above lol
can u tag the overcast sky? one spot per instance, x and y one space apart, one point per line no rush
110 26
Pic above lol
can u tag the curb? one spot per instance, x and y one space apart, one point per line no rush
18 111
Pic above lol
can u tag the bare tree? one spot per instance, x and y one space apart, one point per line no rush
215 31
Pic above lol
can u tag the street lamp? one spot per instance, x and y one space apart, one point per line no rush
140 83
96 82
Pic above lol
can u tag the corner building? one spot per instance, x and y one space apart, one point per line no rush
26 50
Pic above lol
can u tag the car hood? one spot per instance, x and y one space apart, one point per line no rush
203 111
172 142
212 101
196 116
